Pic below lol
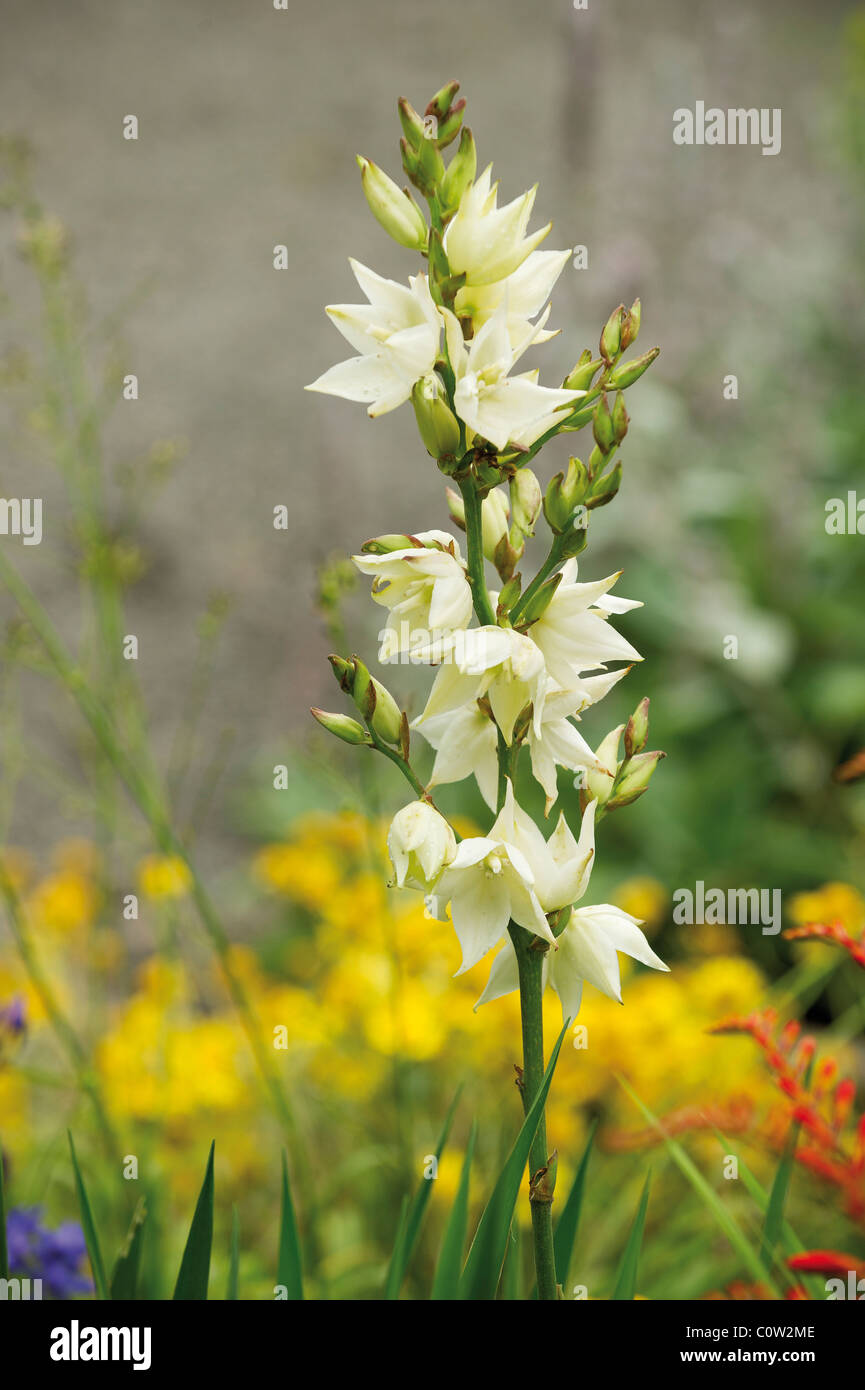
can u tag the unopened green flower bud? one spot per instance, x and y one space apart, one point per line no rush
383 545
411 123
438 426
637 729
386 718
374 700
339 724
631 324
526 500
620 418
604 489
459 173
565 493
449 127
580 379
442 102
599 781
611 337
393 207
635 779
626 373
602 426
494 521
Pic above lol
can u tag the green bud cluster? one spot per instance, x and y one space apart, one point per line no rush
378 707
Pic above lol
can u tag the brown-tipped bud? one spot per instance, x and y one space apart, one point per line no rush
637 729
580 379
620 418
449 128
611 337
383 545
631 324
604 489
626 373
602 426
344 672
411 123
342 727
635 779
442 102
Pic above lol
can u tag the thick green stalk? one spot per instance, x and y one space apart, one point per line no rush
475 547
530 963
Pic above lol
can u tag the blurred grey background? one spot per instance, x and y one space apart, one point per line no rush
250 119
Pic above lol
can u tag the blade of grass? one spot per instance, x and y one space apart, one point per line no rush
233 1257
194 1273
91 1239
725 1221
124 1279
446 1281
626 1280
484 1264
289 1268
568 1223
402 1251
792 1243
778 1197
512 1275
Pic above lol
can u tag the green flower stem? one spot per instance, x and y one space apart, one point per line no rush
475 546
530 963
400 762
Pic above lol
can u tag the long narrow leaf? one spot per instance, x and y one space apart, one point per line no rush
446 1281
91 1239
778 1196
402 1251
511 1288
290 1261
124 1279
194 1273
727 1223
568 1223
233 1257
486 1256
626 1281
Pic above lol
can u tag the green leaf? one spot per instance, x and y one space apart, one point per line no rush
484 1264
569 1221
233 1257
778 1197
124 1280
4 1252
91 1239
446 1281
407 1237
626 1280
194 1273
289 1267
727 1223
511 1289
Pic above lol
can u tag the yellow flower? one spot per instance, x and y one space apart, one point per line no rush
644 898
834 901
163 876
64 902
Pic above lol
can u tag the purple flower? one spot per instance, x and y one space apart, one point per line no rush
54 1256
